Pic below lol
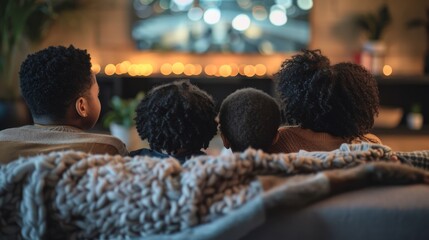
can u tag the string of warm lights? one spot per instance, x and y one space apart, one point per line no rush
179 68
190 69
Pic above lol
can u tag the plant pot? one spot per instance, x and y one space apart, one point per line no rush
372 57
415 121
128 135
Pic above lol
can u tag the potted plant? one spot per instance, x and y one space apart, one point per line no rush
373 25
120 119
363 34
21 22
415 117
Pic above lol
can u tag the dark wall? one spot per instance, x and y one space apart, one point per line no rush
398 91
219 88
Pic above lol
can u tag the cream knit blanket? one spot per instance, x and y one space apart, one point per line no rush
78 195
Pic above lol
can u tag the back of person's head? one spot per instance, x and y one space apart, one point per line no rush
341 99
176 116
249 118
52 79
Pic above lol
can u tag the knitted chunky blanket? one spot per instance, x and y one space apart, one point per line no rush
77 195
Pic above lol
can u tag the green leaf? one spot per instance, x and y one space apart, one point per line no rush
374 24
122 111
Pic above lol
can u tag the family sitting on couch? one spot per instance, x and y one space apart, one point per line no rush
323 106
322 121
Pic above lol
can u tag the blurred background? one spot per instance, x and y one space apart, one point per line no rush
116 30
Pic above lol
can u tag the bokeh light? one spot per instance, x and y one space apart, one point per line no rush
124 66
212 16
278 16
259 12
178 68
110 69
225 70
118 69
189 69
305 4
234 69
387 70
198 69
260 69
249 71
166 69
241 22
210 69
132 70
96 68
245 4
195 14
284 3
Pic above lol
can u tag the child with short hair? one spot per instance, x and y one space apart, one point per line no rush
62 94
177 119
249 118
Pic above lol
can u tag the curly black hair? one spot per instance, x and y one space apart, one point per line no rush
176 116
53 78
249 118
341 99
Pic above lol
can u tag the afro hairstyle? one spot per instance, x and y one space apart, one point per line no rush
53 78
176 116
341 99
249 118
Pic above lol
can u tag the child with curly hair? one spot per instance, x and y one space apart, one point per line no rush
177 119
62 94
324 105
249 118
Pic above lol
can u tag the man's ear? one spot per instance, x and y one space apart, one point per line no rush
225 141
81 107
276 138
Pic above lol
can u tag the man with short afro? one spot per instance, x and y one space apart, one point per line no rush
62 94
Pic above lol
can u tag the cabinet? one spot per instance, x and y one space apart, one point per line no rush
404 92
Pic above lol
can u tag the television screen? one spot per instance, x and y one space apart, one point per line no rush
229 26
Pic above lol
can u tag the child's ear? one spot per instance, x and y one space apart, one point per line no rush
81 106
225 141
276 138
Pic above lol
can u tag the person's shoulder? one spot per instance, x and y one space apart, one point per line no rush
102 140
372 138
12 132
109 140
285 130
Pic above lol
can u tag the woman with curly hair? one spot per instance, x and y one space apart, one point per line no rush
324 105
177 119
